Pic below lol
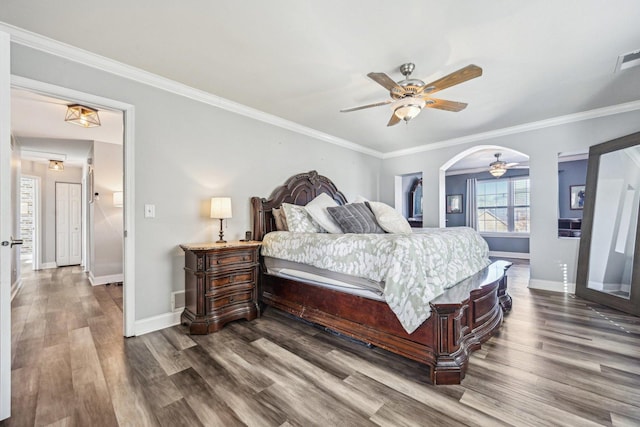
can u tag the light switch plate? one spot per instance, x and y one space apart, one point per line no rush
149 211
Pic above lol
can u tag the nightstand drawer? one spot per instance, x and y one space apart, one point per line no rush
245 276
238 297
221 259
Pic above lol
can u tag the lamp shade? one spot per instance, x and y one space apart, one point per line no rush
407 108
118 199
221 207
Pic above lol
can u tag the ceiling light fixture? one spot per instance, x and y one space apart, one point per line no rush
56 165
82 116
408 107
498 168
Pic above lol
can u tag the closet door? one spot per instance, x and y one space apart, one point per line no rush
68 224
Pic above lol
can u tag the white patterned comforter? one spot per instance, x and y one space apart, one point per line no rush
416 268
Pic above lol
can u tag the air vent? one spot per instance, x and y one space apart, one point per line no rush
177 301
628 60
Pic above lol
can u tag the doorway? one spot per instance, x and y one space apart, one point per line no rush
68 224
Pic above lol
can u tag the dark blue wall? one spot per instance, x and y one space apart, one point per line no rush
457 184
570 173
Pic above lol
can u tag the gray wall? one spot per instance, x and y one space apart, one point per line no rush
107 220
457 184
570 173
553 260
185 153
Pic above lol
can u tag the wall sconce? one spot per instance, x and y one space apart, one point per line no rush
82 116
56 165
118 199
221 209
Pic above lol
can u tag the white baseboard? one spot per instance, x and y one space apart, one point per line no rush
47 265
155 323
103 280
516 255
550 285
15 288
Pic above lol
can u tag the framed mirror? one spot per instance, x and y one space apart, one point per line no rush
415 200
608 265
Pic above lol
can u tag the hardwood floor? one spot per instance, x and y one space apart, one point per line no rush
558 360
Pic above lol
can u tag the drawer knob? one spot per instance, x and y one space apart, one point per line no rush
230 299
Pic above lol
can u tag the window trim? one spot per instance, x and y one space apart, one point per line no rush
510 209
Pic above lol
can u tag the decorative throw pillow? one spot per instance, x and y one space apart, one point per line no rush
317 208
281 221
389 219
298 220
355 218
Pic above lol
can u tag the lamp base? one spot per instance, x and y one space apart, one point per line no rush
221 234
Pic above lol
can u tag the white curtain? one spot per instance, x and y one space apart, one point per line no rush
471 215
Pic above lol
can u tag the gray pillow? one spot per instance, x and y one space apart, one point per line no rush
355 218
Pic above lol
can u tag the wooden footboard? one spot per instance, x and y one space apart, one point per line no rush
443 342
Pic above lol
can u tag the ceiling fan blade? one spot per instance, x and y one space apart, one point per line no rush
443 104
462 75
394 120
362 107
383 80
512 164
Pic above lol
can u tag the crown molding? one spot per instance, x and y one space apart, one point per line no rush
527 127
84 57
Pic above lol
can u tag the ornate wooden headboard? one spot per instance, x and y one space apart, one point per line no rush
300 189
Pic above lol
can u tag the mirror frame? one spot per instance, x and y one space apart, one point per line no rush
631 305
412 194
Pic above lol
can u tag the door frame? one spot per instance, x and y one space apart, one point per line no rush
5 225
128 112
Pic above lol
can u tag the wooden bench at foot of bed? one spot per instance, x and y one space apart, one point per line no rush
443 342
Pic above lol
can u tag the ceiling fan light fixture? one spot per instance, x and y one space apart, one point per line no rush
407 108
497 168
82 116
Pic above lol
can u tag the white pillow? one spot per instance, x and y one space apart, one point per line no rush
390 219
360 199
317 208
299 221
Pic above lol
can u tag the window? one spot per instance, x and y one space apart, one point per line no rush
503 205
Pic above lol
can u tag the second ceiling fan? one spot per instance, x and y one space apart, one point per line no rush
409 96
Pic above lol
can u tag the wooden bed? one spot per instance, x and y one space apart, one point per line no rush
457 326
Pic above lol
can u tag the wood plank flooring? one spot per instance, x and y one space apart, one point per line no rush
558 360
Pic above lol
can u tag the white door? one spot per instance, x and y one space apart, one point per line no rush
68 224
6 219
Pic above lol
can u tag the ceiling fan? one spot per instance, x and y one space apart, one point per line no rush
409 96
499 167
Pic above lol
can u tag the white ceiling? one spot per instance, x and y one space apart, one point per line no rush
305 60
37 122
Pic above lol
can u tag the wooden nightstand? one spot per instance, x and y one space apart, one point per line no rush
220 284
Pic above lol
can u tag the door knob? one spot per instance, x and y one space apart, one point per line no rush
12 243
